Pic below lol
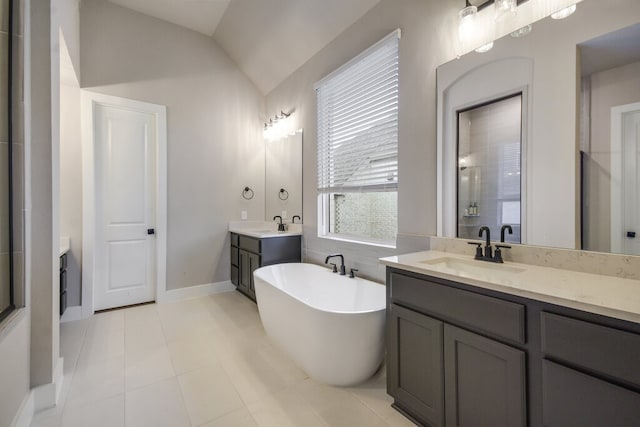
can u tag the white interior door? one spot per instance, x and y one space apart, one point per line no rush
125 200
625 209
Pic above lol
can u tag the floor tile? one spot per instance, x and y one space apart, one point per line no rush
104 378
202 362
107 412
156 405
208 394
142 329
238 418
147 366
104 338
286 408
195 350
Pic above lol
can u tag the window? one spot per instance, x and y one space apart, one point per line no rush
358 146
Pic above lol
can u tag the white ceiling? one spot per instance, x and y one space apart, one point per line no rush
202 16
268 39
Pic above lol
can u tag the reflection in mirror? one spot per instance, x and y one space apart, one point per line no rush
489 146
610 142
564 204
283 177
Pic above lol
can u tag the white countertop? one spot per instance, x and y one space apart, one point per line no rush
65 244
605 295
263 229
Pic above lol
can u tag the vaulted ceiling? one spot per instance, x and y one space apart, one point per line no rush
268 39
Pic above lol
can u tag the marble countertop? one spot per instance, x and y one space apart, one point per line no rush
605 295
263 229
65 245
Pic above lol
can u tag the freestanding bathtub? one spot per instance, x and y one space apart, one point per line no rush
332 326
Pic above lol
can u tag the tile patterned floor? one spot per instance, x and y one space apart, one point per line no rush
201 362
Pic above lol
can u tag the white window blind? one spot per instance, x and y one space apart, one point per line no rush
358 122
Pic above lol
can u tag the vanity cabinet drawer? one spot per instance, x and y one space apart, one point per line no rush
235 239
571 398
601 349
250 244
473 311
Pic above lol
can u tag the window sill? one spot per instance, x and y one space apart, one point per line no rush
359 241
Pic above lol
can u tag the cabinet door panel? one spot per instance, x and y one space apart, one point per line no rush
245 273
254 264
484 381
415 369
571 398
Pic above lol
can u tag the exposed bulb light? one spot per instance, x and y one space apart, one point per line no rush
505 8
564 13
485 48
466 27
521 32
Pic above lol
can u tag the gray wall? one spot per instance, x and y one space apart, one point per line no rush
214 115
428 35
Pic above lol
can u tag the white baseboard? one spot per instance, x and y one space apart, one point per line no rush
71 314
196 291
46 396
25 413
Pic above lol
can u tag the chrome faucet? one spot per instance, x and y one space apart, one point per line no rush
280 224
335 269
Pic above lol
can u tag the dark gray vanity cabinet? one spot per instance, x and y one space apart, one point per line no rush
460 355
435 368
484 381
249 253
415 365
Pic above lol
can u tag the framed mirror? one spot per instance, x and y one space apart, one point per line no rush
560 206
283 177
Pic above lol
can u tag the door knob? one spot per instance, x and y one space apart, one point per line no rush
151 231
631 234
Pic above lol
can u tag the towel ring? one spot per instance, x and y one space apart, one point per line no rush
247 193
283 194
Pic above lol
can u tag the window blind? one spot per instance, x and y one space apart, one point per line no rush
358 122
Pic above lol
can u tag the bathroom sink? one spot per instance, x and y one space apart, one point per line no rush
475 269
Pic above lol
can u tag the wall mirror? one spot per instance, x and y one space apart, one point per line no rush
568 195
283 177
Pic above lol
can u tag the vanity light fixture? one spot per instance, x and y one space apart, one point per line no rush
564 13
275 128
521 32
466 28
485 48
505 8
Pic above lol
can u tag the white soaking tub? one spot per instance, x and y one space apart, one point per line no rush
332 326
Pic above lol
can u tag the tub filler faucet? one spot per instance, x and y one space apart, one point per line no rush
335 269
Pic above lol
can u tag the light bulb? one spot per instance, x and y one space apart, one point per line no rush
466 27
564 13
485 48
505 8
521 32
